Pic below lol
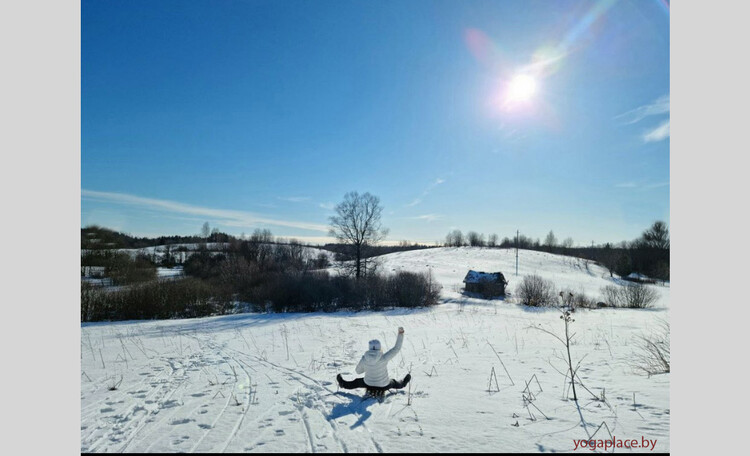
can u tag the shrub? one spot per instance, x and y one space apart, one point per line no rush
408 289
234 278
126 271
185 298
578 300
633 295
204 264
536 291
611 295
638 296
120 267
318 291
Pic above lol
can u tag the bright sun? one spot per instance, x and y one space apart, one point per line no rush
521 88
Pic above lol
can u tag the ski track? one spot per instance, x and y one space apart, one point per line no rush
295 375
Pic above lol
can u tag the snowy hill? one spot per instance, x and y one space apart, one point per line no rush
449 266
266 382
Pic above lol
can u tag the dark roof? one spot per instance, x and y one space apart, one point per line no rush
479 277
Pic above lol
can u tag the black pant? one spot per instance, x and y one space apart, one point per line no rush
360 383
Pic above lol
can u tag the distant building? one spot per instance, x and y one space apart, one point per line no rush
638 278
488 284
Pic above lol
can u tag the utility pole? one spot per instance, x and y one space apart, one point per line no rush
516 252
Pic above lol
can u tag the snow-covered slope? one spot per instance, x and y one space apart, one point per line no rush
449 266
266 382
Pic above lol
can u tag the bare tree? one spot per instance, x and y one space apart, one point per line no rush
567 243
550 241
357 224
454 238
492 240
475 239
205 231
657 236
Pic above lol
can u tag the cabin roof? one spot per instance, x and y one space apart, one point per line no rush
479 276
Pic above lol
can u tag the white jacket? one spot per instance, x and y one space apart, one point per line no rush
375 364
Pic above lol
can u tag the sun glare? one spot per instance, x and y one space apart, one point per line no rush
521 88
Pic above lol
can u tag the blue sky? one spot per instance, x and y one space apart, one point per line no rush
263 114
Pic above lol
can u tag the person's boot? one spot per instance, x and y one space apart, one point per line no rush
340 380
406 379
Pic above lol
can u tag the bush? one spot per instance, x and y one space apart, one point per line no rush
536 291
408 289
204 264
578 300
611 295
318 291
633 296
185 298
126 271
222 280
120 267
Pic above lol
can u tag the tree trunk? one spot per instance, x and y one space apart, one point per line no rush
359 261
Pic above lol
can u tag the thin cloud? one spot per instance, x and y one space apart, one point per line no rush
428 217
657 107
642 186
657 185
327 206
223 216
294 199
659 133
426 192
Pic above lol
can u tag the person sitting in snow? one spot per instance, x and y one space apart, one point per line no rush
374 364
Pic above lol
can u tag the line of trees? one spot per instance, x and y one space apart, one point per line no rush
95 237
648 254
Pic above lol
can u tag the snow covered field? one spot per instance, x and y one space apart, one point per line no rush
266 382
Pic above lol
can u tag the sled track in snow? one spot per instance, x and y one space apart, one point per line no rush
298 407
304 421
314 387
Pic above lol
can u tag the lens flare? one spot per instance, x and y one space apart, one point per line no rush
521 88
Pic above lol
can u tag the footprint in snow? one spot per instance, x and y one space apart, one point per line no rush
180 421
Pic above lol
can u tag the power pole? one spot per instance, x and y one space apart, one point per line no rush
516 252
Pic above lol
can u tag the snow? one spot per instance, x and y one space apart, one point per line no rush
266 382
169 273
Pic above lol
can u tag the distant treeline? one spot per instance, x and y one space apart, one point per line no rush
647 255
342 251
98 238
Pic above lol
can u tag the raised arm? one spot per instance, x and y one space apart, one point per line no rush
392 352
